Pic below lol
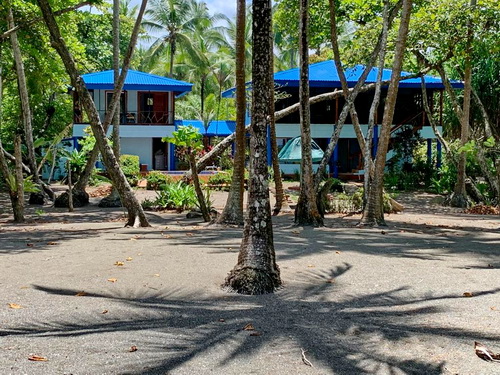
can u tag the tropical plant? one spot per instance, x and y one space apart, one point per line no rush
155 179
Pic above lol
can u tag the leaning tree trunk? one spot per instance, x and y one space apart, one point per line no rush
306 211
373 212
256 271
136 216
233 210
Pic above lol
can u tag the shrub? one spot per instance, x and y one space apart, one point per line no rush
221 178
130 167
156 179
173 196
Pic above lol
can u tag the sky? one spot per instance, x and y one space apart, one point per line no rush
227 7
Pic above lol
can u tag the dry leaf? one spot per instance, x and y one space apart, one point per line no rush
222 320
296 231
157 275
52 243
190 234
330 281
119 263
249 327
37 358
104 312
337 252
484 353
255 333
128 259
468 294
133 348
24 287
15 306
493 308
311 266
166 236
29 245
81 294
112 280
383 232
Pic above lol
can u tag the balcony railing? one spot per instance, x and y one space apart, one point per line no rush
134 118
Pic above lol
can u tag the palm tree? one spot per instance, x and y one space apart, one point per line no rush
256 271
172 20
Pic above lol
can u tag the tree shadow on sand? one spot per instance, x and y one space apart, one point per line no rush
369 333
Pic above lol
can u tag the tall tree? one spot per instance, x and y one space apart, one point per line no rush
233 210
113 199
136 216
373 213
306 211
256 271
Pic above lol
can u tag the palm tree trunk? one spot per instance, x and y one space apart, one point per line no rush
233 210
306 211
25 108
197 187
256 271
18 198
373 212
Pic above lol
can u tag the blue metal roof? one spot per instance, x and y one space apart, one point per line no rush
215 128
135 80
324 74
221 128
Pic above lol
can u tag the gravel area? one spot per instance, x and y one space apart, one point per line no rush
93 297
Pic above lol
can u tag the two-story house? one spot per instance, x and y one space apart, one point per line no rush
147 113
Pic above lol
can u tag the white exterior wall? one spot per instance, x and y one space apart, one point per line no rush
142 147
326 130
132 131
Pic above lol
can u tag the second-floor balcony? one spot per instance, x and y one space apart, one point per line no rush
133 117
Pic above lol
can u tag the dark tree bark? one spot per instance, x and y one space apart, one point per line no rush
373 213
256 271
136 216
197 187
306 211
233 210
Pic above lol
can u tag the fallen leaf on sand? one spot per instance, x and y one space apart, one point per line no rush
81 294
190 234
104 312
330 281
52 243
166 236
37 358
222 320
128 259
15 306
493 308
484 353
133 348
311 266
30 245
249 327
383 232
337 252
119 263
296 231
255 333
112 280
157 275
468 294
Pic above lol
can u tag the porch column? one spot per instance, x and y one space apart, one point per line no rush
171 157
375 141
429 151
439 155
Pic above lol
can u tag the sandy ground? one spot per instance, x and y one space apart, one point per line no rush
357 301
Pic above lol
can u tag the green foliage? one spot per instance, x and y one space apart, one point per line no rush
222 180
186 136
28 184
174 196
155 179
130 167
